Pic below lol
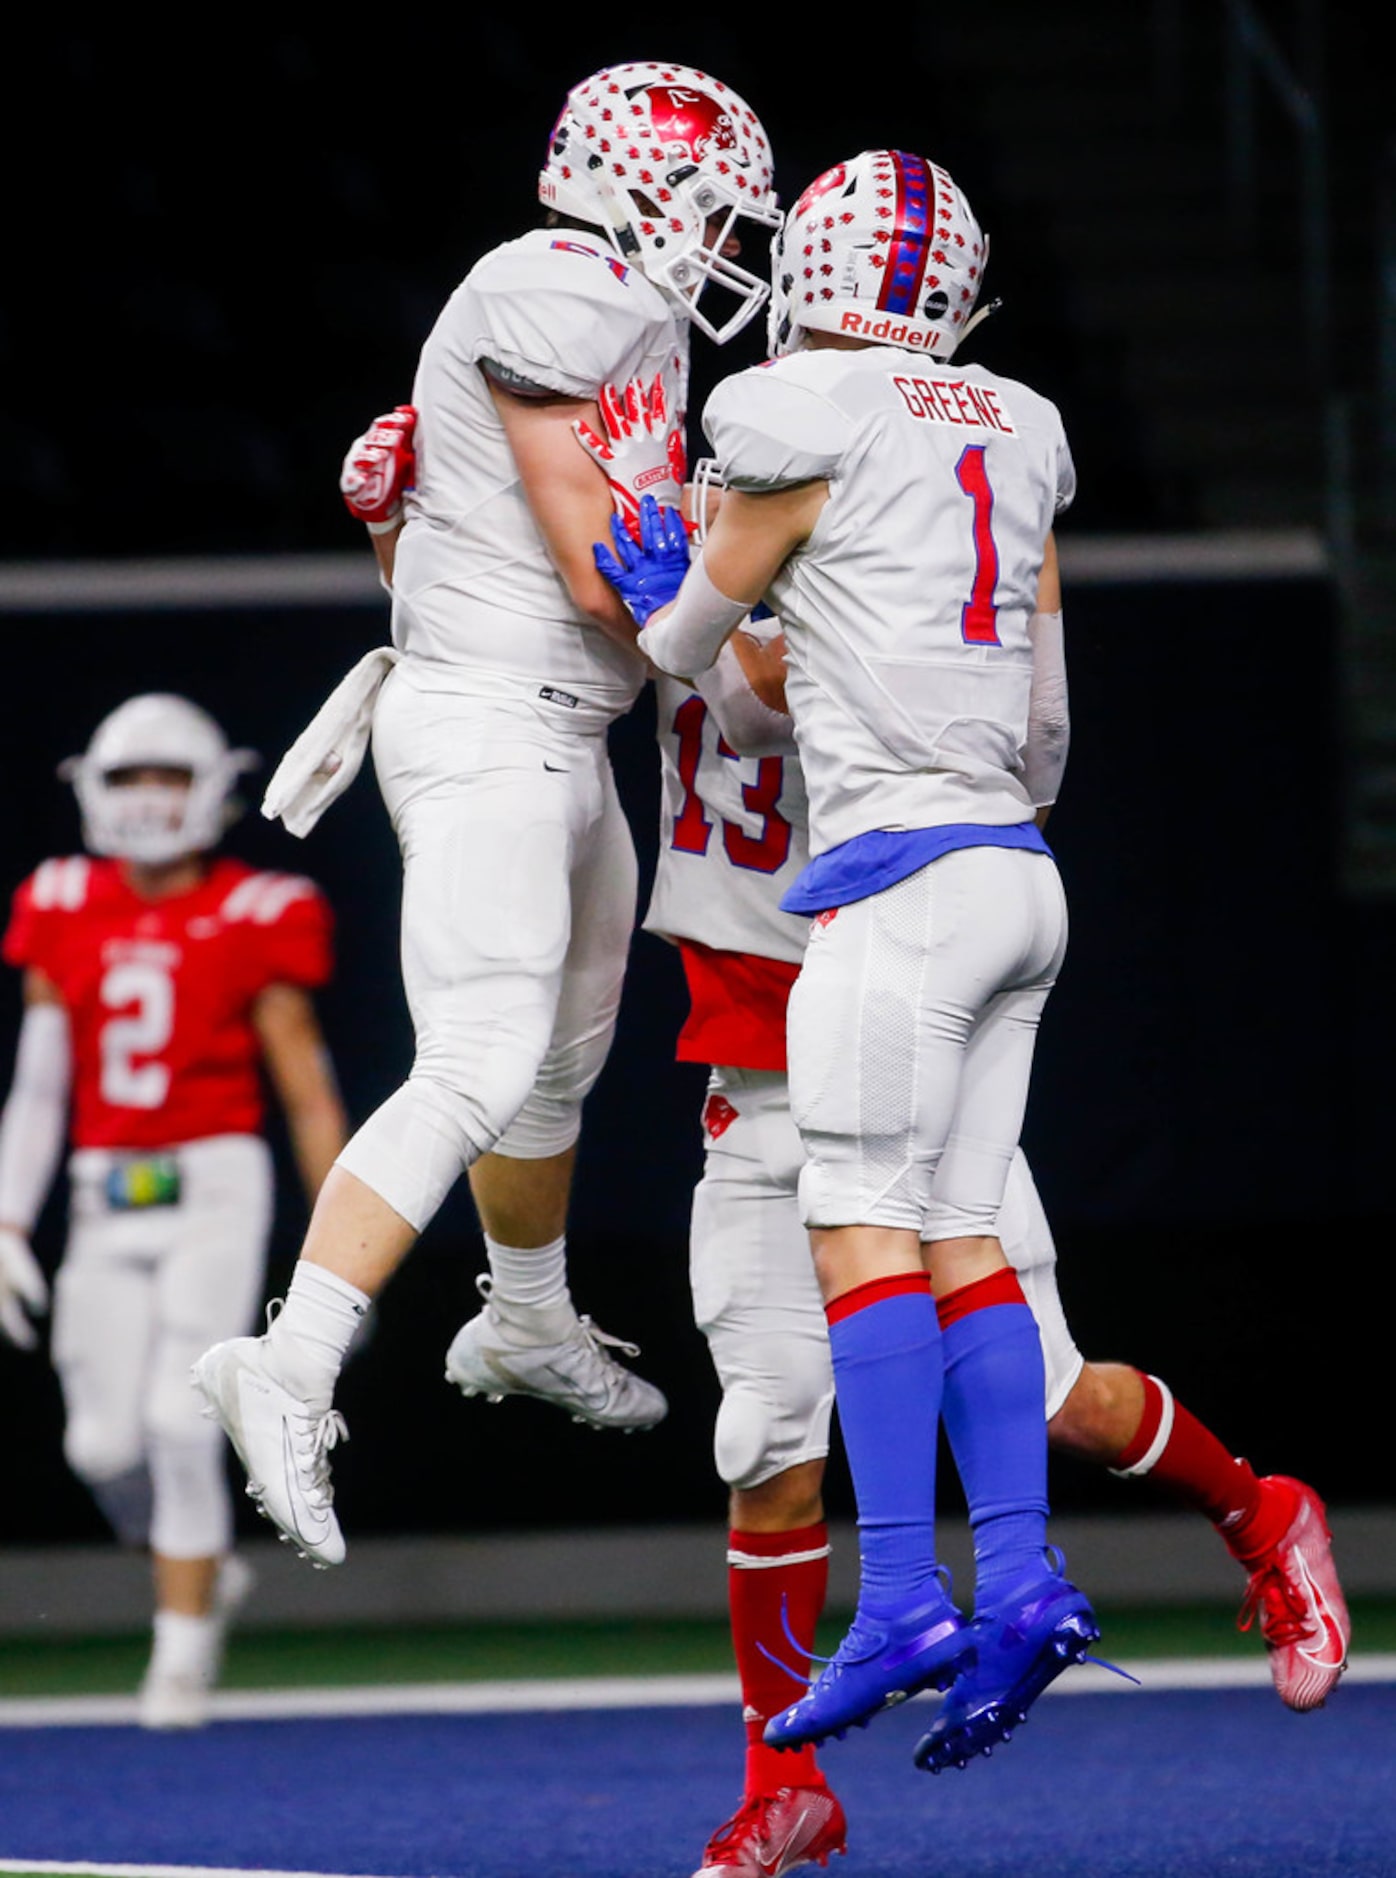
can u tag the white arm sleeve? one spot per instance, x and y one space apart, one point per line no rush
748 726
35 1122
1049 721
688 636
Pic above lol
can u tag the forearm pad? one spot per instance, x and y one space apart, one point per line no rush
687 636
1049 721
35 1122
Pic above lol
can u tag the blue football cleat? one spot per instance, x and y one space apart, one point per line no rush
1022 1645
884 1659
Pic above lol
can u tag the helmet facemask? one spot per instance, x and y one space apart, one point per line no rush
153 818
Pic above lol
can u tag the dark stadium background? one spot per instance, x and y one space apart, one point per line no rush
232 250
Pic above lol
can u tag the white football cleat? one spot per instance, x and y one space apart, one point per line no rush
177 1688
173 1698
283 1442
579 1374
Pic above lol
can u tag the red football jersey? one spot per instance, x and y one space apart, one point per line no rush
159 994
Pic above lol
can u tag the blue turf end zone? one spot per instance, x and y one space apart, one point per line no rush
1170 1785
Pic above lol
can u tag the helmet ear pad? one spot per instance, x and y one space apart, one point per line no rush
883 247
132 803
667 163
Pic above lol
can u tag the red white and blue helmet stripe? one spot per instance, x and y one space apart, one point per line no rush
911 235
882 247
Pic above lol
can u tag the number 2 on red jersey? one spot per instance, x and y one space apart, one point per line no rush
141 997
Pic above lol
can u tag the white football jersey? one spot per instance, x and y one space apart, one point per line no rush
732 837
477 603
906 612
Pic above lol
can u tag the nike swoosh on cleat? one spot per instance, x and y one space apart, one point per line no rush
772 1866
309 1527
1328 1624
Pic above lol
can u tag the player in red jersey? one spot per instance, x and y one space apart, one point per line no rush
160 982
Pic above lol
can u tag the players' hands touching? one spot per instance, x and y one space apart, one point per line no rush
378 468
639 449
23 1291
647 573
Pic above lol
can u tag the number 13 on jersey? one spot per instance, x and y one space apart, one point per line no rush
764 852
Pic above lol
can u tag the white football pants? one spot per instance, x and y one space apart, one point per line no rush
142 1292
911 1031
756 1298
518 903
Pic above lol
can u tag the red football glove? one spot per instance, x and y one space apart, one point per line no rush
641 452
379 466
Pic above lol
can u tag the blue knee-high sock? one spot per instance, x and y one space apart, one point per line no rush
885 1342
994 1419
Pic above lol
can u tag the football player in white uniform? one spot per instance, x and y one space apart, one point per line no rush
915 571
898 511
159 980
513 656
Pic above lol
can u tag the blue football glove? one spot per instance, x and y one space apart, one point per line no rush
646 577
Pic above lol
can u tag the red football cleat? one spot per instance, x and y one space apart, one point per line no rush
1294 1591
775 1833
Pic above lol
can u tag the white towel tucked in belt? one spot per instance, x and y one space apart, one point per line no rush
326 757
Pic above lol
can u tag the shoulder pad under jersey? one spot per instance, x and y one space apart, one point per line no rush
262 898
60 885
769 428
559 310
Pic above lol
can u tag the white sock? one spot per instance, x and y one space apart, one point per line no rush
185 1645
529 1289
313 1330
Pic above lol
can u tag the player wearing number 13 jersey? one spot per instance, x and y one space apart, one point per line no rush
161 982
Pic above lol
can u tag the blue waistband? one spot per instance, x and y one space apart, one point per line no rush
857 869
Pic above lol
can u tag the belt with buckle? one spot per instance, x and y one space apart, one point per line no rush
142 1180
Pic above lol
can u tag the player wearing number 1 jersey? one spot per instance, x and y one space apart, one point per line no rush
160 983
898 512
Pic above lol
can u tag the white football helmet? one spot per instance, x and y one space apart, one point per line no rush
156 822
666 161
883 247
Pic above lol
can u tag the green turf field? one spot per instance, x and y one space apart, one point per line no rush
460 1653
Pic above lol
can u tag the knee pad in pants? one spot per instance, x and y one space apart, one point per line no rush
192 1516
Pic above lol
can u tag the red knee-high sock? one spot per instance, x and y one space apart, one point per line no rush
764 1571
1173 1448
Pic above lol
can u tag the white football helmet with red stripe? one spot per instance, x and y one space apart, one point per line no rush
883 247
667 162
149 820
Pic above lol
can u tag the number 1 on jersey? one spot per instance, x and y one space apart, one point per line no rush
979 617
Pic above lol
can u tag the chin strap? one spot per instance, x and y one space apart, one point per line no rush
990 306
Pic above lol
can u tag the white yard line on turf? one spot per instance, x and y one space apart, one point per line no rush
156 1871
601 1692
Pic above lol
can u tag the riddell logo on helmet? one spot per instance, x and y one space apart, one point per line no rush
895 332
